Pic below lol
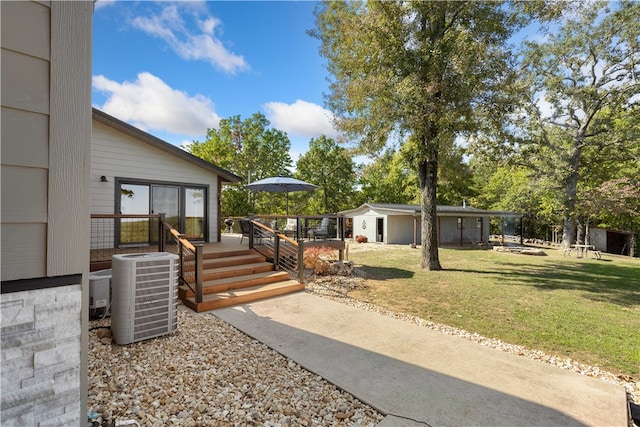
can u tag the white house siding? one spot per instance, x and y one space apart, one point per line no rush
400 230
365 225
46 107
115 154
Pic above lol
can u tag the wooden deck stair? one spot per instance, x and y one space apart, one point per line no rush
239 277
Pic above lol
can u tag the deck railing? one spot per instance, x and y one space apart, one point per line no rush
191 257
285 253
284 245
113 234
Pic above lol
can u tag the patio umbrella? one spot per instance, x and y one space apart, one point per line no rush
281 184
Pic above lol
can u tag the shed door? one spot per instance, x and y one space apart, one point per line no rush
379 229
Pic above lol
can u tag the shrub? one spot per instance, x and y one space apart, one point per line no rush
318 259
361 239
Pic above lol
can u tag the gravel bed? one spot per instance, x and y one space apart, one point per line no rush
208 373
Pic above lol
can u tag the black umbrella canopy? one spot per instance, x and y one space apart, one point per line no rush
281 184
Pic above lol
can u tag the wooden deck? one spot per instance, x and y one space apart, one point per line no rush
233 273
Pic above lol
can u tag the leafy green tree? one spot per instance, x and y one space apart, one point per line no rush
388 179
515 188
252 150
423 69
330 167
455 178
586 78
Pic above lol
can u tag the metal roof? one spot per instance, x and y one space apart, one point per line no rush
440 209
119 125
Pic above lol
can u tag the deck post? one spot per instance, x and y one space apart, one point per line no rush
199 253
161 232
301 261
181 254
251 219
276 251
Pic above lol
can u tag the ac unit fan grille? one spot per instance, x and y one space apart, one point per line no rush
154 299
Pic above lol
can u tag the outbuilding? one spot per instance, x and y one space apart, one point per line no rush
400 224
613 241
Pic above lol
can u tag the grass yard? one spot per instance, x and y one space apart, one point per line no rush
585 309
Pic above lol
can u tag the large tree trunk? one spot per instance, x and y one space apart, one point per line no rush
581 231
571 191
428 174
568 231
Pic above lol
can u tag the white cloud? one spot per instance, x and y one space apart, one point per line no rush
301 118
99 4
150 104
191 44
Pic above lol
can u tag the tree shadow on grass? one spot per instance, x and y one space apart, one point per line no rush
386 273
615 284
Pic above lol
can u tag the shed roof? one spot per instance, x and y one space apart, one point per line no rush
119 125
415 209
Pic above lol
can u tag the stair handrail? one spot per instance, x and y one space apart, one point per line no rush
187 251
295 266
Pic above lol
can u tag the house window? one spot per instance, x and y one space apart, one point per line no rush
185 207
478 222
460 223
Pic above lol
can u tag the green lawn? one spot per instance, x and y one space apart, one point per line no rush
585 309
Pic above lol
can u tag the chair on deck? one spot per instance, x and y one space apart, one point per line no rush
292 224
245 226
291 228
322 230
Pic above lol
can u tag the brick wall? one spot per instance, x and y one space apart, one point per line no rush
41 350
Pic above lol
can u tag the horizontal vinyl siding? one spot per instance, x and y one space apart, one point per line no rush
25 137
25 69
24 250
25 82
115 154
16 16
24 194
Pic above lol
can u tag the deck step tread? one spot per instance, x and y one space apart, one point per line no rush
249 290
233 260
266 274
231 268
218 255
235 283
243 296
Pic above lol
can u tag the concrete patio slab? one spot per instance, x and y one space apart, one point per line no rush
418 376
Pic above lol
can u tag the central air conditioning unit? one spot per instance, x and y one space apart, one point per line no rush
144 300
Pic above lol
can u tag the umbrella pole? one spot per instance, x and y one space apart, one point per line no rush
286 193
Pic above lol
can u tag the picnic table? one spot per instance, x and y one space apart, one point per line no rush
582 251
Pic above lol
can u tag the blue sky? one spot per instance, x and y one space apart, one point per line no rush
174 69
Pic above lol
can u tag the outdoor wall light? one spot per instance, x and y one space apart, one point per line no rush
103 179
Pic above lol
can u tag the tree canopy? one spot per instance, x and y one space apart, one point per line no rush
252 150
417 72
330 167
580 81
